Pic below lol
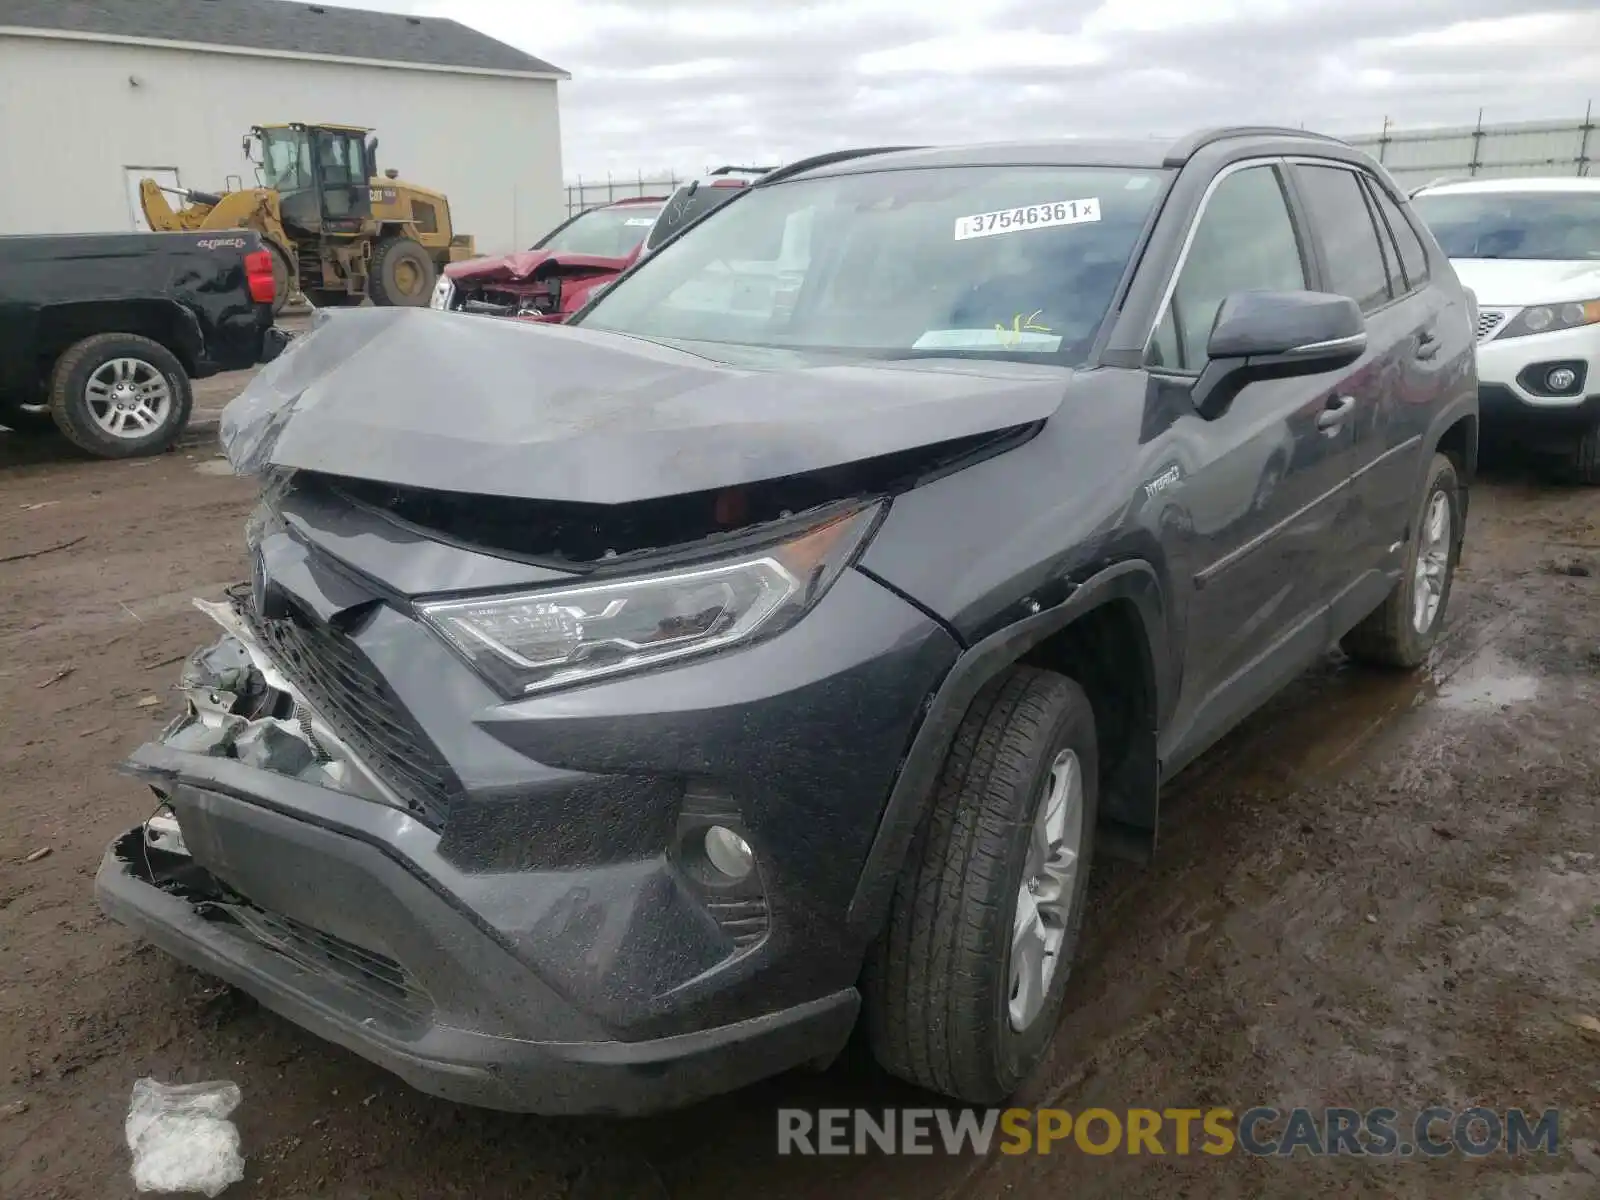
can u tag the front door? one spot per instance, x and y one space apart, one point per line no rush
341 158
1261 484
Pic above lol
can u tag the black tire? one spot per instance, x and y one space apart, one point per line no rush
1584 466
26 419
402 274
938 984
1388 636
75 416
283 277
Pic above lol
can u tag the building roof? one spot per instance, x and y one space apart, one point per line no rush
279 26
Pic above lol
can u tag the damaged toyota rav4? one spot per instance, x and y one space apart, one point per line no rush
617 712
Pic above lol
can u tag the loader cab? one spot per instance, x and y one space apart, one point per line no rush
322 174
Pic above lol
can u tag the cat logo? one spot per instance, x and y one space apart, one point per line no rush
1172 476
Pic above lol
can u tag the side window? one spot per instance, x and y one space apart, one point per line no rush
1245 242
1349 239
1412 256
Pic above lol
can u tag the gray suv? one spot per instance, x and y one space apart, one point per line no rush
617 711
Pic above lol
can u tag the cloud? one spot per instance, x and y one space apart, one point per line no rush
686 84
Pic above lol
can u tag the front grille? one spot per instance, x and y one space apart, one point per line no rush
383 982
345 690
1489 320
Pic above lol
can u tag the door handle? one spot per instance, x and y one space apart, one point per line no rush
1427 345
1331 418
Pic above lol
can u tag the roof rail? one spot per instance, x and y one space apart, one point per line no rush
823 160
1188 146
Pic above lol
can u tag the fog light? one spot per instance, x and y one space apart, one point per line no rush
728 852
1561 379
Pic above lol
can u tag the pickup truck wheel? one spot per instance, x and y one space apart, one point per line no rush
402 274
117 395
1402 630
964 989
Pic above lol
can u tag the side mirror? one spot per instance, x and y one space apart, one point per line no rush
1274 335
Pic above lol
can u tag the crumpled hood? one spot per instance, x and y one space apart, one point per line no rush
528 264
1513 283
508 408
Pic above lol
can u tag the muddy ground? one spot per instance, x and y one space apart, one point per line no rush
1381 891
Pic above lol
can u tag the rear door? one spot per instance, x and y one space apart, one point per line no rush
1392 386
1262 484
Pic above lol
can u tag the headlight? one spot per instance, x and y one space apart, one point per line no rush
1546 318
537 641
443 293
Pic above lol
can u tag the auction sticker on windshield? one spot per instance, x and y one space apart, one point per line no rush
1029 216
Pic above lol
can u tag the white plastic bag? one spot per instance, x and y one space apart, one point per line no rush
181 1138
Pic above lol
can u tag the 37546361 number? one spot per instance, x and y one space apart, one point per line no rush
1027 216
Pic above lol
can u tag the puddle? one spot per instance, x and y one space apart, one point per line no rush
1488 683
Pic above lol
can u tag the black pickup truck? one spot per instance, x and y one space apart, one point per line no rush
100 334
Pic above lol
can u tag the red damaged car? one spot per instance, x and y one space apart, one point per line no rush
558 275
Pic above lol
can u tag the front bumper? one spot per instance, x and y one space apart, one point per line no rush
539 943
350 998
1505 364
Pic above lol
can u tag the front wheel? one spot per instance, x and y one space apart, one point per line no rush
964 990
1402 630
118 395
402 274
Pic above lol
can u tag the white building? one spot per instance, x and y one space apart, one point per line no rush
95 94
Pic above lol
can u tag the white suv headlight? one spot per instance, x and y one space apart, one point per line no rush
444 292
557 637
1547 318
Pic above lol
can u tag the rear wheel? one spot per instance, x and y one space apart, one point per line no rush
118 395
402 274
282 278
967 982
1401 630
1584 465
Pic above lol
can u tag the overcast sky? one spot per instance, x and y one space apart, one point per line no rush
687 84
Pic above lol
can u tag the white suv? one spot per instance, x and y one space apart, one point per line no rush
1530 250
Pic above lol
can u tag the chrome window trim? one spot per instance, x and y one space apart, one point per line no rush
1244 164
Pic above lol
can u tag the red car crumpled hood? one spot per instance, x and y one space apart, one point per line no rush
529 264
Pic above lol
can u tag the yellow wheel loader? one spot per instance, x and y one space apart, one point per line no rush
338 231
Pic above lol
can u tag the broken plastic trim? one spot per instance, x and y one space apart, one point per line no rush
301 745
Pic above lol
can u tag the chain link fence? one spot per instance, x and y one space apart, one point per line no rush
591 193
1505 150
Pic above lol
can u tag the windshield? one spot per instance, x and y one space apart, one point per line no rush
285 160
609 232
973 261
1527 225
